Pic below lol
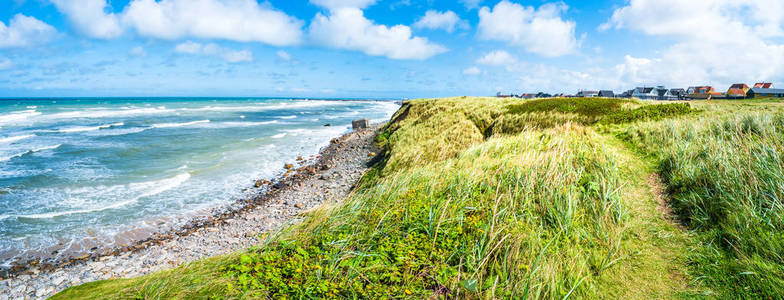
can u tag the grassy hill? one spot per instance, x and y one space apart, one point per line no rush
554 198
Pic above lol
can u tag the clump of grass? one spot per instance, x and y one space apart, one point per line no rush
647 113
724 176
585 110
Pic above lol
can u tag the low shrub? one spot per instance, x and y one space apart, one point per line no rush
647 113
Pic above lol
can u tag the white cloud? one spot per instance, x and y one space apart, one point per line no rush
347 28
716 42
283 55
238 20
6 64
541 31
471 4
439 20
90 17
338 4
472 71
23 31
229 55
235 20
497 58
138 51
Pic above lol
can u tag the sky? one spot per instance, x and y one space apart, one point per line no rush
382 48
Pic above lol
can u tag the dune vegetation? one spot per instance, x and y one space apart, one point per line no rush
552 198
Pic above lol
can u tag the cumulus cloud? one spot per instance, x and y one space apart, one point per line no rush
90 17
497 58
541 31
338 4
347 28
439 20
715 41
472 71
23 31
211 49
235 20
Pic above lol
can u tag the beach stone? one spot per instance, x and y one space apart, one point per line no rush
360 124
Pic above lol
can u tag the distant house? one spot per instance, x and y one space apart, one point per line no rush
500 95
607 94
588 94
763 85
543 95
645 93
527 96
765 93
738 90
678 94
703 92
664 94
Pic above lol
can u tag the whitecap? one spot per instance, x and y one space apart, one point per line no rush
171 125
30 152
279 136
287 117
88 128
18 116
155 187
12 139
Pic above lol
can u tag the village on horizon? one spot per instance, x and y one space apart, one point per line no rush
736 91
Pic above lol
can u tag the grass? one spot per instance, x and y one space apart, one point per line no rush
499 198
725 177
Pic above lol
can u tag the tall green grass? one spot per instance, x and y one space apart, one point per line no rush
725 173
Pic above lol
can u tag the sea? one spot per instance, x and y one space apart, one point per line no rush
82 174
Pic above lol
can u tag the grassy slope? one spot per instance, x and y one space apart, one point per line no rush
481 198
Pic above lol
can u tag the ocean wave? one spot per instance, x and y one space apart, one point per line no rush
279 136
86 128
171 125
111 113
12 139
152 188
239 124
30 152
18 116
287 117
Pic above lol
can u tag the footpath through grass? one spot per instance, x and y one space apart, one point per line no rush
502 198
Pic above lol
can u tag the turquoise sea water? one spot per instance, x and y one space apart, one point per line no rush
82 173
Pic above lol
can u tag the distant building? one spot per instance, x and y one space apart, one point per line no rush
645 93
588 94
527 96
543 95
765 93
664 94
764 85
678 94
500 95
738 90
703 92
607 94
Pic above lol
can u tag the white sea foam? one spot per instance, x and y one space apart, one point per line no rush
287 117
149 189
18 116
108 113
30 152
12 139
171 125
279 136
88 128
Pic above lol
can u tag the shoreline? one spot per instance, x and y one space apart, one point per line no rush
276 203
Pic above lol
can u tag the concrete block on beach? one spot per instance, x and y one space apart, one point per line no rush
360 124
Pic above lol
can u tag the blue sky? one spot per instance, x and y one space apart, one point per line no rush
382 48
